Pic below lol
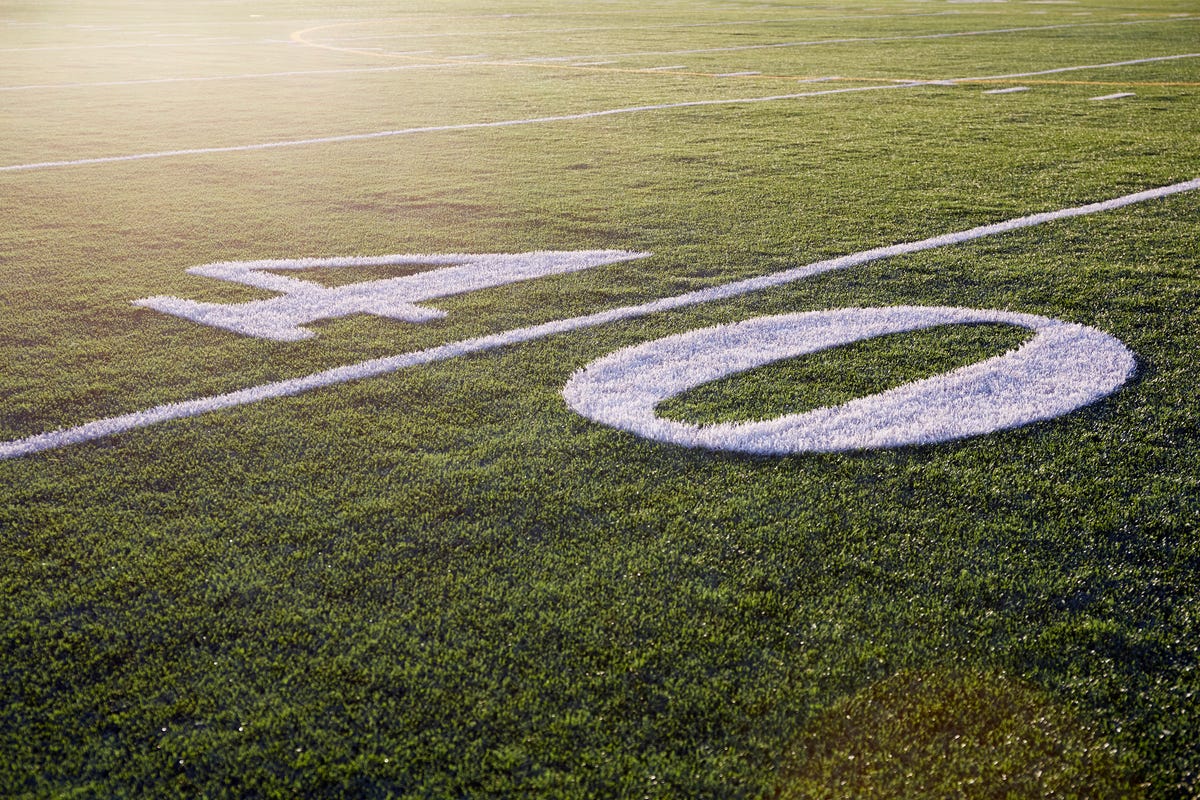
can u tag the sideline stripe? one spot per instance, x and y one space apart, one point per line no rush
1076 69
245 76
1154 84
466 126
805 79
382 366
298 37
1116 96
580 62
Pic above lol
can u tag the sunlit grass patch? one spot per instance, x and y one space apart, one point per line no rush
948 733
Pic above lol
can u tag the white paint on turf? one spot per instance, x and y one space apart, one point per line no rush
1117 96
466 126
1130 63
1064 367
302 302
382 366
1009 90
857 40
549 119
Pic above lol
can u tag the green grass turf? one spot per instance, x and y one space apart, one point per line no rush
442 582
841 374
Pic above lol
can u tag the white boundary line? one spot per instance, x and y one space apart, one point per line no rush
352 137
1082 67
466 126
1117 96
382 366
856 40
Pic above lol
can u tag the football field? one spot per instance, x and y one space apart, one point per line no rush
668 399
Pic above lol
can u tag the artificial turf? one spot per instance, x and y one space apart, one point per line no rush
443 582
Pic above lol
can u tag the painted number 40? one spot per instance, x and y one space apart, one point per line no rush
1061 368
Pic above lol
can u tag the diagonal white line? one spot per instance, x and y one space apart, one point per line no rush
1082 66
382 366
550 119
356 137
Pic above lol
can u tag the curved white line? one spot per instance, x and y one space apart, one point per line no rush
1064 367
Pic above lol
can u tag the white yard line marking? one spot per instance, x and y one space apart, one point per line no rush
1116 96
856 40
382 366
559 118
1082 67
206 78
1009 90
466 126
